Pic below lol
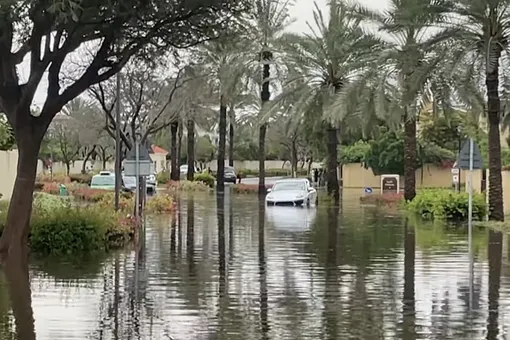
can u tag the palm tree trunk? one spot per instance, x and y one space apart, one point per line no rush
409 157
294 160
495 182
220 174
174 173
331 177
265 94
191 149
231 138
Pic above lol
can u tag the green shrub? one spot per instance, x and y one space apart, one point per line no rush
205 178
77 230
68 231
446 205
57 228
81 178
163 177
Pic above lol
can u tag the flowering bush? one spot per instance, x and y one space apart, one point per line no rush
89 195
176 186
52 188
57 178
161 203
248 188
81 178
389 198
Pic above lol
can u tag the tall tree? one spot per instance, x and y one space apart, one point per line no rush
48 33
320 65
221 64
270 18
482 31
409 60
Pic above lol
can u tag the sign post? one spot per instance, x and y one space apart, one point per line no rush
470 158
137 163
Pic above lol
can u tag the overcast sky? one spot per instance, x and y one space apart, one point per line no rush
302 11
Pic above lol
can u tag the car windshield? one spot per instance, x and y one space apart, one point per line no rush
289 186
229 169
184 168
102 181
129 181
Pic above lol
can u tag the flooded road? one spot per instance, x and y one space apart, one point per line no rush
241 271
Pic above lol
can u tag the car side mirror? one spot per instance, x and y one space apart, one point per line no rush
269 190
310 189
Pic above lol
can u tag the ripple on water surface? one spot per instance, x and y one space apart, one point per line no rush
280 273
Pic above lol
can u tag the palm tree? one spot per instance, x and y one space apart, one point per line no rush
270 18
319 65
221 64
407 67
482 32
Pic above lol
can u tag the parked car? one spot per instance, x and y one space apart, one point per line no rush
292 192
105 180
230 175
130 183
183 170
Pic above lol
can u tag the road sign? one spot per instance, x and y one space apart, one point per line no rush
368 190
455 178
463 158
455 171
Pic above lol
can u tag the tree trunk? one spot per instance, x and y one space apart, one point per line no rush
265 94
409 157
174 165
220 174
331 176
179 143
68 167
87 157
15 234
495 181
231 139
262 159
294 160
191 149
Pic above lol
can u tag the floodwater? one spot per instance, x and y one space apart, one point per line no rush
244 272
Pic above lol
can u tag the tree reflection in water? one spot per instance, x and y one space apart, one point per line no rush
331 277
408 299
18 282
264 324
495 255
190 237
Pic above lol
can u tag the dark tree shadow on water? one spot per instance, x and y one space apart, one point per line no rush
18 282
495 259
409 331
263 293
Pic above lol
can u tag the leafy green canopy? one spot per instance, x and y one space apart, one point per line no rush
47 31
385 154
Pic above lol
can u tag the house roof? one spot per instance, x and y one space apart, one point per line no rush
160 150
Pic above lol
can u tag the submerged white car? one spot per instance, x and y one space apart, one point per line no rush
291 192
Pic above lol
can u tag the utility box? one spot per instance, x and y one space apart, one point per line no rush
144 161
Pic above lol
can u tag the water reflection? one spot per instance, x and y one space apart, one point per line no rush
408 298
224 268
495 256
